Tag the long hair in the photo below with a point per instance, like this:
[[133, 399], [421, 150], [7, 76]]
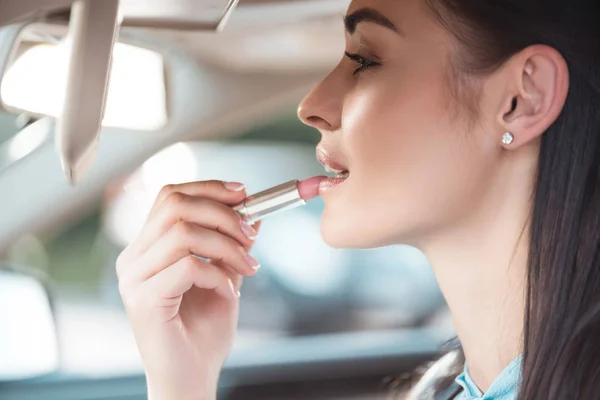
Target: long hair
[[561, 340]]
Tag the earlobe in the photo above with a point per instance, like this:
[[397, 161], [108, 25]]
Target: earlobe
[[540, 80]]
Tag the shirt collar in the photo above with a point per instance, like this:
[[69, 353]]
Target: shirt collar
[[504, 387]]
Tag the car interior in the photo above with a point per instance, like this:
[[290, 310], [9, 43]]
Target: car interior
[[105, 102]]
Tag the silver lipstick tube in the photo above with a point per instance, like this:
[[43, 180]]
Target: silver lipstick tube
[[269, 202]]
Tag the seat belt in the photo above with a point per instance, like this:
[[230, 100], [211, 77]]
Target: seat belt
[[450, 393]]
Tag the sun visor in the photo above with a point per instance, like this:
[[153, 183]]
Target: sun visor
[[168, 14], [197, 15], [177, 14]]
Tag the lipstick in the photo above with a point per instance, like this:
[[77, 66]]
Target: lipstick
[[279, 198]]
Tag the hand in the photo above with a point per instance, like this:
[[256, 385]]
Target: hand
[[184, 309]]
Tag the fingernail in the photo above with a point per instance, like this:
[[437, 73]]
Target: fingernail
[[249, 231], [234, 186], [236, 293], [255, 265]]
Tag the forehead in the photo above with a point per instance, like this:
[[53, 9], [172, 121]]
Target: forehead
[[392, 9], [408, 15], [421, 33]]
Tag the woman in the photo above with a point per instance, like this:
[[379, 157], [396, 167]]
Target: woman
[[479, 121]]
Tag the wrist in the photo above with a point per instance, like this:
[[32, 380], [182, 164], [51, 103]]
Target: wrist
[[176, 389], [197, 393]]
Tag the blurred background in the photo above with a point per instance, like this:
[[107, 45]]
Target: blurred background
[[316, 322]]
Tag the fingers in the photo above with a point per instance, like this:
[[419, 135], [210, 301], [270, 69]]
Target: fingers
[[256, 226], [186, 239], [201, 211], [236, 278], [230, 193], [227, 193], [174, 281], [187, 220]]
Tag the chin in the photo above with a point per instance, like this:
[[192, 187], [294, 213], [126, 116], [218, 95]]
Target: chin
[[339, 240], [349, 229], [341, 232], [335, 230]]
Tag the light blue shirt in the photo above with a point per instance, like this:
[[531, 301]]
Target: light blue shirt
[[505, 387]]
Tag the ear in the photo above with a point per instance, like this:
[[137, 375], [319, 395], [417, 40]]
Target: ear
[[538, 87]]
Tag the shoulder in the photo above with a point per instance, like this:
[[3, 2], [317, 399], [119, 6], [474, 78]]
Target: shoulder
[[446, 367]]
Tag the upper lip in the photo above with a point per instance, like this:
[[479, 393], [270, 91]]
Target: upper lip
[[327, 160]]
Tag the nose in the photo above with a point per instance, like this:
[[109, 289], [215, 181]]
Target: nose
[[322, 107]]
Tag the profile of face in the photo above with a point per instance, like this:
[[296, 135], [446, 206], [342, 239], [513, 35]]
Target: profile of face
[[418, 163]]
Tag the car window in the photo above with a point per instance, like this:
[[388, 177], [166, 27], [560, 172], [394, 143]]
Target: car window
[[8, 126], [304, 286]]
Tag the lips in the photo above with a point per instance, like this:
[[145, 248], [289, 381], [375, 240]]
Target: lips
[[331, 165], [329, 162]]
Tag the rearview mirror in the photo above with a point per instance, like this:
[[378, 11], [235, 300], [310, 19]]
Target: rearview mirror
[[28, 340]]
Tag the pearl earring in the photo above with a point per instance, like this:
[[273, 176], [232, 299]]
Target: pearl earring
[[507, 138]]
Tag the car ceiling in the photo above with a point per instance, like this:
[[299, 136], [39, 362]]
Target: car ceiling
[[270, 36], [273, 36]]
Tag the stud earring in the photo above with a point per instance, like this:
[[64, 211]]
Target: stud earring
[[507, 138]]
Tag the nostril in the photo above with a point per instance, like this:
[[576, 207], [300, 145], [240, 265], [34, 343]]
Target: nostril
[[317, 122]]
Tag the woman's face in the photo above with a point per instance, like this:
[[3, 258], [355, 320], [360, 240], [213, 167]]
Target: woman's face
[[416, 163]]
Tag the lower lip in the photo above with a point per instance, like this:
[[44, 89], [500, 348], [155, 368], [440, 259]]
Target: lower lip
[[330, 183]]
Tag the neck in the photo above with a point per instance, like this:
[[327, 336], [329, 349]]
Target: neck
[[486, 298], [481, 269]]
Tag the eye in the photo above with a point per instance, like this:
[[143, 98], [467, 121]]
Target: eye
[[363, 63]]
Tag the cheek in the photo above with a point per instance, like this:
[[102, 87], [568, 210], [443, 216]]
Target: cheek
[[399, 135], [411, 169]]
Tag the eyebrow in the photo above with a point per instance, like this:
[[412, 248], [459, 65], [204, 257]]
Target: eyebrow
[[367, 15]]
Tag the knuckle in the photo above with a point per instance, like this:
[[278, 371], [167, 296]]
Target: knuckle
[[224, 222], [132, 301], [234, 247], [120, 263], [124, 289], [229, 253], [212, 182], [166, 191], [203, 206], [188, 268], [183, 230], [212, 186], [232, 215], [175, 199]]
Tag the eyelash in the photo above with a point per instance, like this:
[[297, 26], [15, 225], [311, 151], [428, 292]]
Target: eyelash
[[363, 62]]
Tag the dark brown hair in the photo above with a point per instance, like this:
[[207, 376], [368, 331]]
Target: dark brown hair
[[561, 358]]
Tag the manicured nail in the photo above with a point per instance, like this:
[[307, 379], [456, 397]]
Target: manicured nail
[[234, 186], [249, 231], [236, 293], [255, 265]]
